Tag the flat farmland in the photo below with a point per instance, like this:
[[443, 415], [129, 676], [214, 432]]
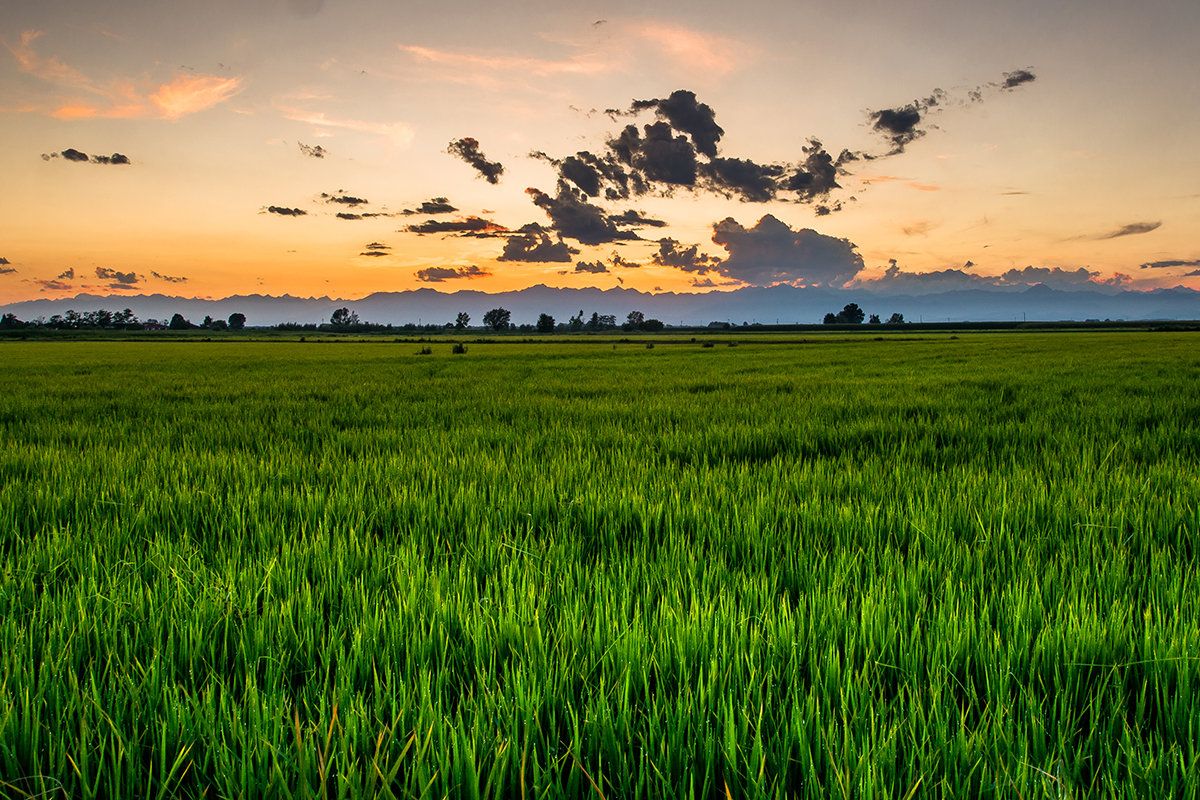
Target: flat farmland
[[904, 566]]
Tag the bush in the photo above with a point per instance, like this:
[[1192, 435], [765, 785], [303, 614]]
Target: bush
[[458, 349], [425, 351]]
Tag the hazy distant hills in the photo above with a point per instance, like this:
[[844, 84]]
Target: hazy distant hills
[[784, 304]]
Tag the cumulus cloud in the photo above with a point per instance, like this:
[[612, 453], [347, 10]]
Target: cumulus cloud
[[689, 259], [468, 150], [575, 218], [593, 267], [169, 278], [117, 278], [436, 205], [900, 125], [69, 275], [1017, 77], [532, 244], [5, 269], [313, 151], [53, 286], [71, 154], [682, 112], [469, 225], [1050, 276], [771, 252], [440, 274], [344, 215], [284, 211], [341, 197], [1169, 264]]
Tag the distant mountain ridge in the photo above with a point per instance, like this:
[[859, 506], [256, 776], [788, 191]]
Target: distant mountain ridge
[[783, 304]]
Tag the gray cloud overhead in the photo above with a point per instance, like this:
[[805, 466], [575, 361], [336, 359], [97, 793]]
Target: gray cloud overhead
[[118, 278], [591, 266], [467, 225], [436, 205], [169, 278], [313, 151], [284, 211], [533, 244], [71, 154], [1132, 229], [575, 218]]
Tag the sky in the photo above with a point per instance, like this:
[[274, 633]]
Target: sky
[[338, 148]]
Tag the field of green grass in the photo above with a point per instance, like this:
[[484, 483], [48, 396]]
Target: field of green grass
[[911, 567]]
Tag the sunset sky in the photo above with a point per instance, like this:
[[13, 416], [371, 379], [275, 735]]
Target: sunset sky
[[341, 148]]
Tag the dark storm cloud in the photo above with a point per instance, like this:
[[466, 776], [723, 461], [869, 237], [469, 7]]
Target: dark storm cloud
[[575, 218], [595, 175], [1133, 229], [1164, 264], [636, 219], [439, 274], [340, 196], [689, 259], [468, 225], [771, 252], [313, 151], [533, 244], [286, 212], [468, 150], [121, 278], [684, 114], [1017, 77], [660, 157], [169, 278], [589, 266], [437, 205]]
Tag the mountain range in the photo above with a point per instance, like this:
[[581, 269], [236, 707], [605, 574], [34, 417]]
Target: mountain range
[[777, 304]]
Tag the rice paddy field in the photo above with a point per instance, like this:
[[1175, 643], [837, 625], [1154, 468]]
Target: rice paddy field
[[921, 566]]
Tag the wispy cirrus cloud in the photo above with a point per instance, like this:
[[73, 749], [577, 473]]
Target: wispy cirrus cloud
[[400, 133], [119, 98]]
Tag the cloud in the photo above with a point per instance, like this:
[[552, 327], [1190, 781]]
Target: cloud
[[286, 212], [753, 183], [439, 274], [468, 150], [689, 259], [118, 278], [636, 219], [376, 250], [188, 94], [533, 244], [54, 286], [684, 114], [169, 278], [401, 134], [1169, 264], [900, 125], [469, 225], [1050, 276], [436, 205], [5, 269], [344, 215], [592, 267], [575, 218], [313, 151], [920, 228], [771, 252], [1132, 229], [340, 196], [1017, 77], [1191, 274], [817, 175], [69, 275], [71, 154]]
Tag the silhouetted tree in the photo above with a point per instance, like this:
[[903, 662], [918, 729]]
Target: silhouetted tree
[[237, 321], [652, 325], [635, 319], [545, 323], [343, 317], [9, 321], [208, 321], [178, 323], [896, 319], [830, 318], [874, 320], [462, 321], [851, 314], [497, 319]]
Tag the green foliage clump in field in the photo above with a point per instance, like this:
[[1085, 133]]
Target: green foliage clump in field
[[905, 568]]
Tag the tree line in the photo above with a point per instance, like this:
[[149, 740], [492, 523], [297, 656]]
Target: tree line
[[103, 319], [853, 315]]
